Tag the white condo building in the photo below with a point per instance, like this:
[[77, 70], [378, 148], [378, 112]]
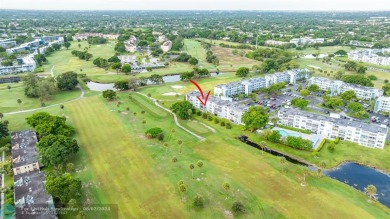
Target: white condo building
[[382, 104], [306, 40], [338, 87], [370, 56], [219, 107], [247, 86], [7, 43], [28, 65], [369, 135]]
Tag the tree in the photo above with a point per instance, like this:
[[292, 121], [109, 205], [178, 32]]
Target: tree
[[355, 107], [133, 83], [180, 143], [9, 88], [174, 159], [334, 103], [1, 116], [39, 59], [126, 68], [181, 109], [358, 79], [67, 45], [313, 88], [121, 85], [182, 188], [56, 149], [305, 92], [193, 61], [192, 169], [341, 53], [238, 208], [65, 187], [31, 83], [100, 62], [386, 89], [156, 79], [256, 117], [361, 69], [153, 132], [200, 164], [297, 102], [371, 192], [351, 66], [67, 81], [120, 47], [339, 75], [348, 95], [4, 132], [242, 72], [275, 137], [274, 120], [116, 65], [109, 94], [69, 167], [226, 186], [19, 101], [46, 88]]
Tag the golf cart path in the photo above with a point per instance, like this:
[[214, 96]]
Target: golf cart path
[[174, 117]]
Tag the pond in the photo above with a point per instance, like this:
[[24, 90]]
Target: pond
[[167, 79], [359, 176]]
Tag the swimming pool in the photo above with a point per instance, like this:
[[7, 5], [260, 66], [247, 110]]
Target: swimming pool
[[285, 134]]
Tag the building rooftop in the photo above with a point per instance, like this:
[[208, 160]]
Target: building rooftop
[[341, 122], [23, 148], [31, 199]]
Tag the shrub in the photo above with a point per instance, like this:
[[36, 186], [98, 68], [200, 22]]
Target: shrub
[[216, 120], [204, 116], [160, 137], [337, 140], [322, 143], [238, 208], [153, 132], [198, 113], [223, 123], [210, 118], [228, 125], [331, 146]]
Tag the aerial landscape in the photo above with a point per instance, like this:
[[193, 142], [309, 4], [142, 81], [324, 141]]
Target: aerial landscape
[[194, 109]]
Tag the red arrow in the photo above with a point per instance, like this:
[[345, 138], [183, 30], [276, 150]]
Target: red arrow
[[203, 100]]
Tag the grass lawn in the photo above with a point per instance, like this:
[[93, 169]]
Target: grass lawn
[[118, 165], [64, 61], [195, 49], [8, 100], [230, 62]]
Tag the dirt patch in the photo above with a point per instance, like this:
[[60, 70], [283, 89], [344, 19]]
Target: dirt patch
[[226, 57]]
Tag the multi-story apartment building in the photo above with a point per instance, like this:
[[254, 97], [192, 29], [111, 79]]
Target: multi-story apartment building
[[382, 104], [247, 86], [338, 87], [374, 56], [24, 154], [219, 107], [361, 43], [306, 40], [7, 43], [275, 43], [27, 64], [84, 36], [369, 135]]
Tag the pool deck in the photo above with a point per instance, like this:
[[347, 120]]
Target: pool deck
[[312, 137]]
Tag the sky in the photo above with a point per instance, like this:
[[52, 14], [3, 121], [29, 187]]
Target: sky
[[323, 5]]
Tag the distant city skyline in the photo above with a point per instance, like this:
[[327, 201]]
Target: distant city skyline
[[274, 5]]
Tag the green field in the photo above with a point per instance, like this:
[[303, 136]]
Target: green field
[[118, 165], [8, 100], [195, 49], [322, 50]]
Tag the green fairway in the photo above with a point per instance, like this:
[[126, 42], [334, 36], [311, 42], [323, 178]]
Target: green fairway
[[8, 100], [321, 50], [114, 144], [195, 49]]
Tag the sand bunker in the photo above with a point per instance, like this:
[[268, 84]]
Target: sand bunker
[[177, 87], [171, 94]]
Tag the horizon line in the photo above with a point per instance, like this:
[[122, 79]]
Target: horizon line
[[236, 10]]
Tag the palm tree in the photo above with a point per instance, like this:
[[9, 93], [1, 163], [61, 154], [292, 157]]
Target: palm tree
[[275, 120], [1, 116], [174, 159], [305, 171], [371, 192], [189, 111], [69, 167], [180, 142], [192, 169], [321, 169], [19, 101], [226, 186], [182, 188], [9, 88], [143, 112], [283, 162], [263, 145], [200, 164]]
